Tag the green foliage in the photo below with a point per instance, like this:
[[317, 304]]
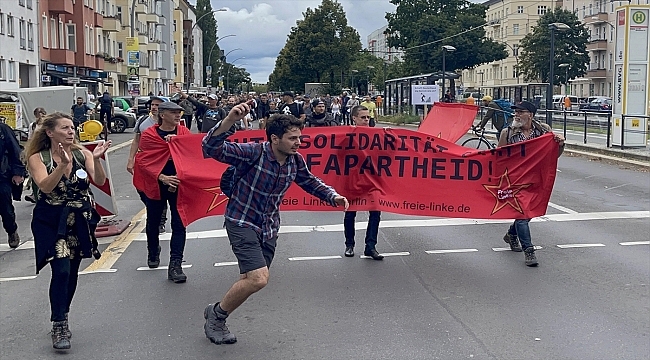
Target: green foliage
[[261, 88], [319, 49], [208, 25], [400, 119], [570, 48], [234, 77]]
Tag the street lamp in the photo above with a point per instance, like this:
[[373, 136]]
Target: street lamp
[[549, 92], [481, 73], [228, 73], [369, 67], [353, 85], [224, 57], [445, 48], [566, 77], [210, 55]]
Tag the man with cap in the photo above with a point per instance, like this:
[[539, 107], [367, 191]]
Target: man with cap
[[524, 127], [319, 115], [155, 175], [494, 113], [210, 114], [289, 107], [372, 109], [141, 125]]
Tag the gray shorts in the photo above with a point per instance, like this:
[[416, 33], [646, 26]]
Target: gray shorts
[[251, 252]]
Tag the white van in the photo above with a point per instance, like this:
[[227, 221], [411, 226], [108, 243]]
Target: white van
[[558, 102]]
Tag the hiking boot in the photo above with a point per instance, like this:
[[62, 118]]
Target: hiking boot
[[513, 241], [14, 240], [66, 326], [153, 260], [175, 272], [60, 340], [531, 259], [215, 327], [161, 229]]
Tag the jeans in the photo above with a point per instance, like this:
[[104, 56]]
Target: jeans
[[155, 210], [371, 231], [62, 286], [7, 212], [521, 229], [108, 114], [163, 217], [347, 120]]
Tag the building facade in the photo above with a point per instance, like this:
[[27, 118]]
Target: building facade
[[378, 46], [19, 22], [178, 53], [192, 47]]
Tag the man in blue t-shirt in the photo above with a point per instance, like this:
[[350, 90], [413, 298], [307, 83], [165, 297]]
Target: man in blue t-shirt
[[79, 111]]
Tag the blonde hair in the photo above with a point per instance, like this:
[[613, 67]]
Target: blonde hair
[[40, 141]]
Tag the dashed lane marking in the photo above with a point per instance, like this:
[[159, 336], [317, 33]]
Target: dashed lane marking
[[562, 208], [146, 268], [631, 243], [17, 278], [226, 263], [508, 248], [304, 258], [450, 251], [119, 146], [570, 246], [403, 253], [99, 271]]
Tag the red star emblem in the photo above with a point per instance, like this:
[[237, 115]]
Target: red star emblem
[[218, 199], [505, 193]]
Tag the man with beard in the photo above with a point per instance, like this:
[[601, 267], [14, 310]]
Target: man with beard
[[289, 107], [211, 114], [263, 108], [523, 128], [319, 117]]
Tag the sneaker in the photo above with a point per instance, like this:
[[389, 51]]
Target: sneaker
[[60, 340], [513, 241], [215, 327], [153, 260], [14, 240], [531, 259], [175, 272]]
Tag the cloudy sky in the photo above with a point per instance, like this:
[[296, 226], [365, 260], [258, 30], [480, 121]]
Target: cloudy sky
[[262, 27]]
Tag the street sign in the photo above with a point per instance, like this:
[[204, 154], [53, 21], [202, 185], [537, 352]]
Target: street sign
[[133, 71], [46, 78], [73, 80], [133, 58], [425, 94]]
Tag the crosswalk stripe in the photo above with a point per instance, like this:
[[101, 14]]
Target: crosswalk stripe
[[304, 258], [227, 263], [569, 246], [450, 251], [629, 243], [508, 248], [146, 268]]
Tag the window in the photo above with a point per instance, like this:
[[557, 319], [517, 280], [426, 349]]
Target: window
[[591, 9], [541, 9], [514, 72], [46, 26], [21, 3], [22, 32], [118, 13], [72, 38], [520, 10], [53, 32], [30, 4], [176, 46], [91, 38], [175, 27], [30, 36], [10, 25], [3, 69], [12, 71], [515, 29], [120, 50], [515, 50], [2, 23], [61, 35], [86, 41], [176, 70]]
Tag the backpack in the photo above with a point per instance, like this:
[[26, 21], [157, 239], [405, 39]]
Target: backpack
[[507, 112], [229, 177]]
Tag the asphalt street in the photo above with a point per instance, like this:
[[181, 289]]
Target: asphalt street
[[448, 288]]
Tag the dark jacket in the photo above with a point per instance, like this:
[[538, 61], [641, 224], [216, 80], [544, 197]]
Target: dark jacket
[[263, 109], [10, 164], [106, 102], [206, 116], [324, 119]]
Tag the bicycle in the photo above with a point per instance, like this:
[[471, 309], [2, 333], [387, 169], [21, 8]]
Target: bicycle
[[479, 142]]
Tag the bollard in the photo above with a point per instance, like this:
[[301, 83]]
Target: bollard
[[609, 129], [622, 131], [585, 134], [565, 123]]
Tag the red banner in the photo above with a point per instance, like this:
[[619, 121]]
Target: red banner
[[393, 170], [449, 121]]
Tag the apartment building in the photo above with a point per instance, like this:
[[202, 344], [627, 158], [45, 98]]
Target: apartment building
[[378, 46], [179, 54], [507, 22], [192, 47], [19, 23]]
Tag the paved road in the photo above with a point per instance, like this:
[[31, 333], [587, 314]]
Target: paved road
[[587, 300]]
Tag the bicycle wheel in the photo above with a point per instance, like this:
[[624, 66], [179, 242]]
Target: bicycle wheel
[[477, 143]]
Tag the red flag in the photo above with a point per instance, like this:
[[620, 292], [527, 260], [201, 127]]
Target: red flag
[[394, 170], [449, 121]]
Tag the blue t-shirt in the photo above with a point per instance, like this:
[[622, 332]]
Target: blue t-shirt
[[79, 112]]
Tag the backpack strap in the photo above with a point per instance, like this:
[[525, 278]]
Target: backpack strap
[[79, 157], [46, 158]]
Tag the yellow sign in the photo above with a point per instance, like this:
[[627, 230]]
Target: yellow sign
[[618, 122], [132, 44], [635, 123], [8, 112], [638, 17]]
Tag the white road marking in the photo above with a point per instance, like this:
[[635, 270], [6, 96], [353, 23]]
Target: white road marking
[[433, 222], [98, 271], [146, 268], [227, 263], [403, 253], [304, 258], [23, 246], [508, 248], [630, 243], [569, 246], [18, 278], [616, 187], [119, 146], [562, 208], [449, 251]]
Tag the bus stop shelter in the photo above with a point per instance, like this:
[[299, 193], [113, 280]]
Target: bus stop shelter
[[398, 91]]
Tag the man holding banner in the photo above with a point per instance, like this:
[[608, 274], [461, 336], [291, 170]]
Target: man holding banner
[[263, 174], [524, 128]]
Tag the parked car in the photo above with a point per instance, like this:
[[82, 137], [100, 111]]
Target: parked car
[[121, 120], [601, 104], [558, 102]]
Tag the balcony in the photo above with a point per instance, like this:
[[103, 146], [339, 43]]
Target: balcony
[[112, 24], [163, 73], [152, 18], [143, 40], [153, 46], [596, 72], [597, 45], [164, 47], [144, 71], [596, 18], [99, 62], [117, 67], [154, 74], [495, 22], [162, 21], [99, 20], [141, 8], [61, 7], [62, 56]]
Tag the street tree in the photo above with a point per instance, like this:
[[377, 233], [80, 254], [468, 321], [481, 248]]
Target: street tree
[[234, 76], [318, 49], [570, 48], [422, 27], [208, 25]]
